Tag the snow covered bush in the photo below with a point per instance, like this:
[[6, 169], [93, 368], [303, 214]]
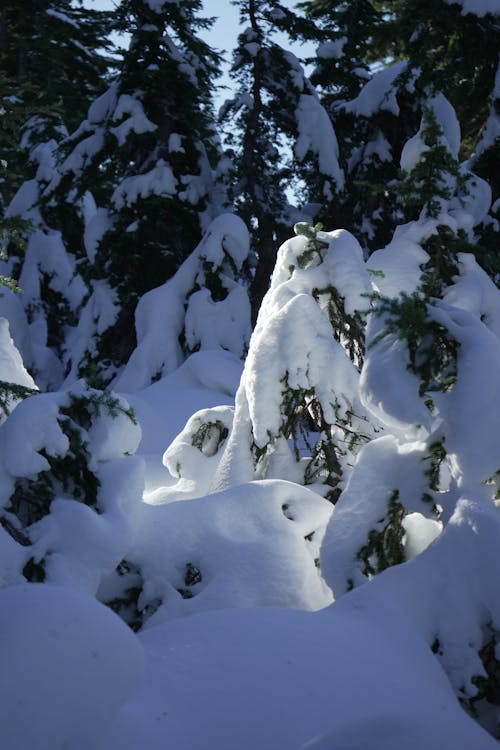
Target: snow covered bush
[[252, 545], [298, 413], [65, 508]]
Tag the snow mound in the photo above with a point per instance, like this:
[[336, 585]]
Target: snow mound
[[68, 663]]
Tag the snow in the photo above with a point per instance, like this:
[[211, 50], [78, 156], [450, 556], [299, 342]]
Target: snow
[[101, 108], [254, 635], [472, 443], [378, 93], [12, 368], [248, 543], [205, 379], [96, 226], [11, 308], [301, 367], [252, 48], [98, 314], [31, 427], [379, 147], [316, 134], [61, 16], [157, 5], [398, 266], [388, 389], [79, 660], [135, 119], [474, 291], [82, 154], [46, 254], [492, 127], [272, 673], [159, 180], [25, 199], [383, 466], [332, 50], [174, 308], [206, 529], [447, 121]]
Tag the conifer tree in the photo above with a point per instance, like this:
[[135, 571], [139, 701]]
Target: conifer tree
[[384, 61], [54, 55], [455, 47], [274, 109], [372, 110], [13, 229], [132, 189], [297, 412]]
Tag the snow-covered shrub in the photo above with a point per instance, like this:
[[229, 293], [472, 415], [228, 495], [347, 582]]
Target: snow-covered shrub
[[431, 362], [195, 453], [298, 414], [64, 502], [449, 595], [252, 545]]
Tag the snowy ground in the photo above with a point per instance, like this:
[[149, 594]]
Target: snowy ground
[[355, 675]]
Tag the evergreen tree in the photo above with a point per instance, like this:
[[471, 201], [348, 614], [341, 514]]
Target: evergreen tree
[[54, 55], [274, 110], [13, 229], [373, 111], [298, 413], [455, 48], [383, 63], [132, 189]]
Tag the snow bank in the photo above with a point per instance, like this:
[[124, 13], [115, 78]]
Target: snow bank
[[352, 676], [68, 664], [253, 545]]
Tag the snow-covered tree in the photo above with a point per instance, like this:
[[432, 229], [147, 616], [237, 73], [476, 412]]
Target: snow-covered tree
[[54, 54], [376, 72], [431, 364], [297, 410], [61, 480], [275, 108], [203, 307], [371, 108], [453, 46], [128, 194]]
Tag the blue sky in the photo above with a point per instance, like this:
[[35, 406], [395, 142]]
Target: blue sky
[[225, 29], [223, 34]]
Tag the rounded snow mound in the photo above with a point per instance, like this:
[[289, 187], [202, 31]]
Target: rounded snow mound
[[68, 663]]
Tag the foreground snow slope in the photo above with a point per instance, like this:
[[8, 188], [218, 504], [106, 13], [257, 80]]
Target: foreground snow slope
[[358, 675]]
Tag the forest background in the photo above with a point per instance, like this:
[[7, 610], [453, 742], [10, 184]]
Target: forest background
[[249, 352]]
